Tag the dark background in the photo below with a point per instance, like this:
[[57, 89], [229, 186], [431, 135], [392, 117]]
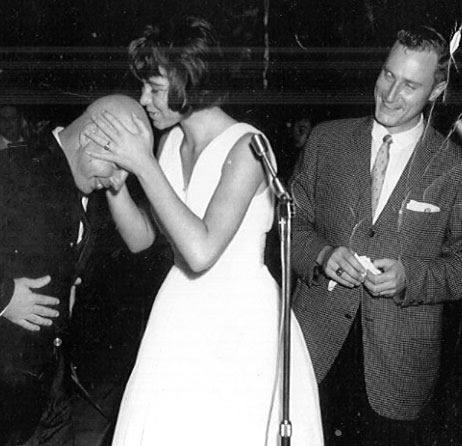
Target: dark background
[[323, 55], [315, 58]]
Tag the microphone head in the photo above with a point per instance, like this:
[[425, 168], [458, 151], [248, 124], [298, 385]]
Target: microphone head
[[458, 127], [259, 145]]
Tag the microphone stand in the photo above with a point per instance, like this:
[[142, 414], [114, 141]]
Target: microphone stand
[[285, 213]]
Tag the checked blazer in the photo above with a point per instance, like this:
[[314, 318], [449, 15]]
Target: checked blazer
[[331, 187]]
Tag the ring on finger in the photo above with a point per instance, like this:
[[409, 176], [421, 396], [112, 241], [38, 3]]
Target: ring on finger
[[107, 145], [339, 271]]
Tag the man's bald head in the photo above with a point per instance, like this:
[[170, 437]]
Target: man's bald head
[[122, 107], [90, 174]]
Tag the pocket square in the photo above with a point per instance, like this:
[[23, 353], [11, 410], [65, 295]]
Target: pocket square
[[419, 206]]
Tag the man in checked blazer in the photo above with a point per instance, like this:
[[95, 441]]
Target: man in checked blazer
[[375, 339], [44, 241]]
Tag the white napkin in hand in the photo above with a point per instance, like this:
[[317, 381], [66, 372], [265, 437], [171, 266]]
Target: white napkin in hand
[[366, 263]]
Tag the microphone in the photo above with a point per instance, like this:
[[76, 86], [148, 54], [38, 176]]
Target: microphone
[[259, 147], [458, 127]]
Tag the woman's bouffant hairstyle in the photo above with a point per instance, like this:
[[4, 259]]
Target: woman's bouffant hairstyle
[[190, 55]]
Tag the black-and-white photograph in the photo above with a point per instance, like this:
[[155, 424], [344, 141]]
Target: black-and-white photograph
[[230, 223]]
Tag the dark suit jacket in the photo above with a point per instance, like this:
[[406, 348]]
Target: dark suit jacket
[[39, 220], [401, 336]]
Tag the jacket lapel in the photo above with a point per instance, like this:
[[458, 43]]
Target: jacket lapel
[[362, 140], [424, 153]]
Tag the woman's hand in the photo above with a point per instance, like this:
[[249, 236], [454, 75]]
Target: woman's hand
[[129, 145]]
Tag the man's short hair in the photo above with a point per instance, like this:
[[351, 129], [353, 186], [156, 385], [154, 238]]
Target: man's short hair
[[189, 53], [424, 38]]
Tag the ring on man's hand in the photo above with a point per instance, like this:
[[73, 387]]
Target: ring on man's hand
[[106, 146], [339, 271]]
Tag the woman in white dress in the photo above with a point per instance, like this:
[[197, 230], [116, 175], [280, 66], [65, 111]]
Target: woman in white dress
[[208, 365]]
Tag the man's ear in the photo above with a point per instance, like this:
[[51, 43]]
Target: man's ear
[[83, 138], [437, 90]]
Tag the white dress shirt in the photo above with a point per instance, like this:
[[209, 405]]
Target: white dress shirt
[[401, 150]]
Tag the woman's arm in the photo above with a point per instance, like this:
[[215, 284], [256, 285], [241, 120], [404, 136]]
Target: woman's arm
[[202, 241], [199, 241], [134, 225]]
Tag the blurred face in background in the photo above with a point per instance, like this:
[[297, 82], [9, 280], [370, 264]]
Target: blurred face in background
[[301, 129], [10, 123]]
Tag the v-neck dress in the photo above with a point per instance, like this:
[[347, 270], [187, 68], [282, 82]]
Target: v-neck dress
[[208, 362]]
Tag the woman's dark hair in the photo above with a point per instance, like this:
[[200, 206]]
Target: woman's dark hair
[[190, 55]]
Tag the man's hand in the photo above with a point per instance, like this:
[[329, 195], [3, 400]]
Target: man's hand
[[391, 282], [28, 309], [341, 265]]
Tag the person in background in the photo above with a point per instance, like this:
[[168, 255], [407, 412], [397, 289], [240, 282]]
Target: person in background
[[45, 240], [377, 249], [11, 126], [298, 131]]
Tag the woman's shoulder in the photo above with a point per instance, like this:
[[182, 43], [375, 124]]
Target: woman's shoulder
[[239, 132], [220, 124], [244, 127]]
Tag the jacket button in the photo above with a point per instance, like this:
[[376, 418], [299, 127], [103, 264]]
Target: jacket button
[[348, 316], [57, 342], [371, 232]]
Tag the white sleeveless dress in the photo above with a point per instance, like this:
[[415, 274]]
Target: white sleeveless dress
[[207, 364]]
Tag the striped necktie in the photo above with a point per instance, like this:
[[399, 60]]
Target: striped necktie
[[378, 171]]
